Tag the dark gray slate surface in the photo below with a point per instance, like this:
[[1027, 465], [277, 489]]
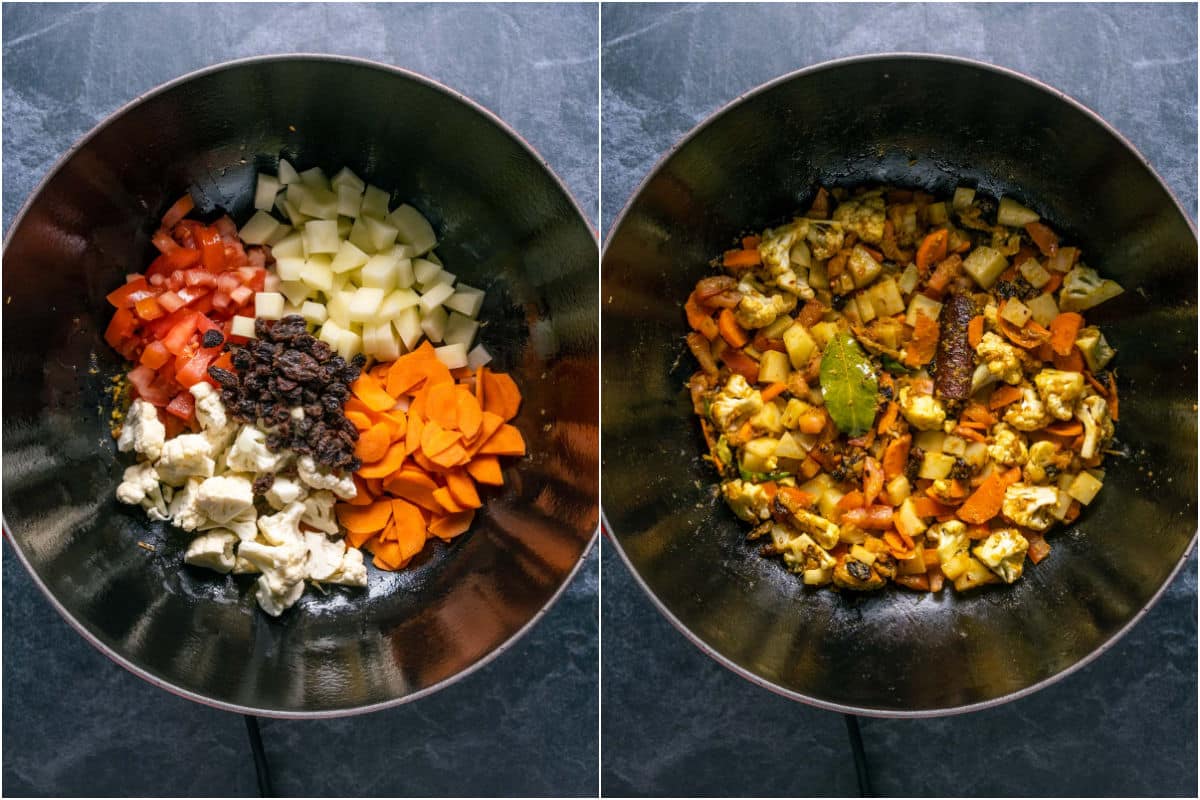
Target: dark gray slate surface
[[676, 723], [75, 723]]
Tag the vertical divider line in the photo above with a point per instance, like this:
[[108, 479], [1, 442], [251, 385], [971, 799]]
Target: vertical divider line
[[861, 773], [262, 770]]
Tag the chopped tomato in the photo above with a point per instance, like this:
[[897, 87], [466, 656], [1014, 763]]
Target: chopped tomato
[[182, 405], [192, 369], [171, 302], [133, 291], [120, 327], [190, 294], [241, 295], [224, 361], [148, 308], [178, 210], [178, 337], [155, 355], [212, 250], [180, 258], [163, 241], [199, 277], [149, 387]]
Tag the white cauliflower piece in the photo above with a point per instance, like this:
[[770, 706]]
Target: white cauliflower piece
[[210, 411], [825, 533], [1083, 288], [1092, 411], [775, 251], [951, 538], [140, 487], [1030, 506], [757, 310], [352, 572], [250, 453], [318, 512], [1059, 390], [324, 555], [1028, 413], [213, 550], [748, 500], [184, 457], [284, 491], [283, 528], [803, 553], [245, 524], [1008, 446], [283, 572], [864, 215], [242, 566], [1003, 553], [141, 430], [1041, 456], [224, 497], [184, 512], [318, 478], [1000, 357], [923, 411], [1095, 348], [736, 402]]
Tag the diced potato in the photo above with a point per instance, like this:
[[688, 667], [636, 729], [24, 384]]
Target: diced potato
[[379, 272], [460, 329], [435, 297], [289, 268], [321, 236], [800, 345], [775, 329], [788, 447], [313, 313], [452, 355], [408, 326], [862, 266], [296, 292], [364, 306], [975, 454], [908, 279], [348, 258], [1084, 488], [920, 304], [885, 295], [929, 441], [343, 282], [381, 234], [349, 201], [293, 214], [268, 305], [773, 368], [862, 307], [1016, 312], [860, 553], [265, 190], [258, 228], [1063, 260], [818, 577], [349, 345], [1014, 214], [963, 197], [396, 301], [1034, 273], [243, 326], [345, 177], [443, 276], [317, 273], [433, 324], [800, 256], [957, 564], [386, 344], [792, 413], [287, 173], [413, 229], [985, 264], [424, 270], [290, 246], [319, 203], [954, 446], [360, 236], [466, 300], [478, 357], [937, 214], [758, 455], [936, 466], [898, 490], [975, 574], [914, 565], [375, 203], [822, 332], [315, 178], [281, 233], [402, 250], [331, 333], [818, 277], [338, 309], [404, 270], [1043, 309]]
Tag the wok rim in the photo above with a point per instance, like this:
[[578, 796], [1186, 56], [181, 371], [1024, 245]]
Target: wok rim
[[610, 534], [57, 167]]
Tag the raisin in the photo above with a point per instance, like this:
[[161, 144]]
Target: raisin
[[225, 378], [264, 482], [212, 338]]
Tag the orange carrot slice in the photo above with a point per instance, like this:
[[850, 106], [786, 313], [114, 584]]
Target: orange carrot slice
[[446, 500], [462, 488], [470, 415], [501, 395], [360, 420], [368, 390], [453, 456], [486, 469], [392, 461], [435, 439], [364, 518], [451, 525], [441, 405], [373, 443], [1063, 330], [507, 441]]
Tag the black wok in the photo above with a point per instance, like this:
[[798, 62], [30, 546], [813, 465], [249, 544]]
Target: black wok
[[921, 122], [506, 225]]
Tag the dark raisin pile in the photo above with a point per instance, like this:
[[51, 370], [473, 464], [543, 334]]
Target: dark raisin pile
[[286, 367]]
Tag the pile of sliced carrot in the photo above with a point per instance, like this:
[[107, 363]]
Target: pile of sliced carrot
[[427, 436]]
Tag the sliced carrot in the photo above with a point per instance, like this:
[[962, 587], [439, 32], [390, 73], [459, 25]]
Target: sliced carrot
[[979, 414], [1067, 428], [446, 500], [435, 438], [851, 499], [969, 433], [451, 525], [388, 555], [731, 331], [925, 506], [357, 539], [1003, 396], [700, 318], [891, 412], [798, 496], [362, 496], [453, 456], [470, 415], [1113, 405], [921, 350], [501, 395], [412, 437], [364, 518], [392, 460], [360, 420], [751, 242], [507, 441], [441, 405], [1043, 237], [486, 469], [773, 391], [489, 424], [1072, 362], [741, 259], [895, 456], [985, 502], [409, 370], [932, 250], [409, 527], [415, 486], [1056, 279], [811, 313], [975, 331], [462, 488], [368, 390], [1063, 330], [373, 443]]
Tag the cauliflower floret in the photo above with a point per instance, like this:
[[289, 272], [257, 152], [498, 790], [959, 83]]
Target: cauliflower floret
[[951, 538], [1083, 288], [1003, 553], [748, 500], [1030, 506], [864, 215], [282, 567], [318, 478], [352, 572], [140, 486], [1028, 413], [210, 411], [825, 533], [141, 431], [734, 404], [1092, 411], [250, 453], [224, 497], [184, 512], [1059, 390], [213, 550], [1042, 455], [775, 251], [1095, 348], [324, 555], [245, 524], [802, 553], [242, 566], [1000, 357], [284, 491], [1008, 446], [283, 528], [318, 512], [758, 310], [184, 457], [923, 411]]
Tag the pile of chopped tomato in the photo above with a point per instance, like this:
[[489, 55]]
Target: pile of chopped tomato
[[201, 279]]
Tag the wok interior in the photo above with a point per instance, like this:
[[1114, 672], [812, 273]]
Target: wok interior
[[929, 124], [506, 226]]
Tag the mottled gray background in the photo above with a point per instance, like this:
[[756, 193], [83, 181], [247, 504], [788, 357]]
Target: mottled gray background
[[74, 722], [676, 723]]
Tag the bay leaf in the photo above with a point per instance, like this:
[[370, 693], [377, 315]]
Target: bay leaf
[[848, 385]]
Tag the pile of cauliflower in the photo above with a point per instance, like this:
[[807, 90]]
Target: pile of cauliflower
[[203, 482]]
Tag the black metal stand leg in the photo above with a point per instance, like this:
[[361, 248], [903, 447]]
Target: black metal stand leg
[[261, 770], [860, 756]]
